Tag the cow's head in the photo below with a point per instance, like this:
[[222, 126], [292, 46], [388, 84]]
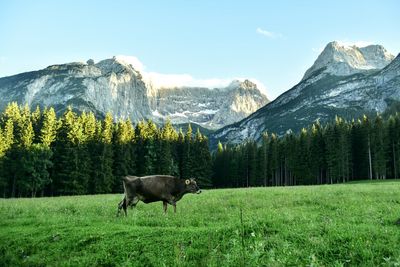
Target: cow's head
[[192, 186]]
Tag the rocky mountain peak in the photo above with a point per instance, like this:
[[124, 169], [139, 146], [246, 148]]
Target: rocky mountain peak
[[111, 65], [246, 84], [341, 60]]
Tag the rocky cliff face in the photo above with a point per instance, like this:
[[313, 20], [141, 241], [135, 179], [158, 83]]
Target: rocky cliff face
[[321, 95], [114, 85], [106, 86]]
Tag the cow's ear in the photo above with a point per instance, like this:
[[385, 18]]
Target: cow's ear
[[187, 182]]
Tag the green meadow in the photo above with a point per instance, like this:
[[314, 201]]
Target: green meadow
[[355, 224]]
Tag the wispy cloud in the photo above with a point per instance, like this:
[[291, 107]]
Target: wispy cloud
[[269, 34]]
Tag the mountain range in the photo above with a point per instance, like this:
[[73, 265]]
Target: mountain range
[[347, 81], [344, 81], [114, 85]]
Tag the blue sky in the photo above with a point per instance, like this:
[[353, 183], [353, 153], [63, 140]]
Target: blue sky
[[271, 41]]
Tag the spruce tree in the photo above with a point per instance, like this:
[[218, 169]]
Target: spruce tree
[[263, 159], [202, 158], [165, 162], [379, 142], [48, 130], [187, 157], [394, 145], [102, 160], [72, 162], [124, 160]]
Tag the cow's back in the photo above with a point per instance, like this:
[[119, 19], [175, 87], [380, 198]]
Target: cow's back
[[158, 183]]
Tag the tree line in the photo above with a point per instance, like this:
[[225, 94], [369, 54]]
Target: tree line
[[45, 155], [42, 155], [337, 152]]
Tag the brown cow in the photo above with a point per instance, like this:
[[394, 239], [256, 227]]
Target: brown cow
[[168, 189]]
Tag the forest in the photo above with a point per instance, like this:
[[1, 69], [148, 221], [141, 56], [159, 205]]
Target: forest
[[74, 154]]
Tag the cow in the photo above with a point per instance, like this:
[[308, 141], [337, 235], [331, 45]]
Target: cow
[[165, 188]]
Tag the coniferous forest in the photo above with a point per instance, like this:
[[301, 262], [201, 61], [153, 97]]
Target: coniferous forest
[[45, 155]]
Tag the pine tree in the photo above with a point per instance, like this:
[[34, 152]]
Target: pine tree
[[146, 134], [105, 178], [202, 158], [317, 153], [37, 120], [71, 170], [165, 162], [251, 159], [21, 164], [263, 159], [187, 157], [36, 162], [394, 145], [289, 143], [218, 175], [179, 149], [331, 154], [344, 149], [25, 128], [3, 149], [367, 132], [379, 148], [359, 139], [124, 161], [140, 151], [48, 130], [273, 157]]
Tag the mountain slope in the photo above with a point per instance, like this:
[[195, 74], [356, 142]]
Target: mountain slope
[[319, 96], [113, 85]]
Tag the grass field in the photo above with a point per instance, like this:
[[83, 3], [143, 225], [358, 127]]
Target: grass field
[[331, 225]]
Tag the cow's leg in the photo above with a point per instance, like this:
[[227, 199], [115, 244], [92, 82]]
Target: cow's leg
[[135, 200], [124, 205], [130, 202], [173, 203], [120, 206], [165, 206]]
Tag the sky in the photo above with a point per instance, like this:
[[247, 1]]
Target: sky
[[207, 42]]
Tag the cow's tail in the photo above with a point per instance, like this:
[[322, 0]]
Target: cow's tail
[[125, 179], [123, 204]]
